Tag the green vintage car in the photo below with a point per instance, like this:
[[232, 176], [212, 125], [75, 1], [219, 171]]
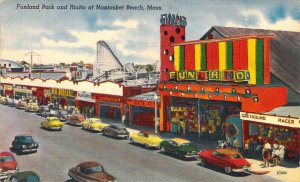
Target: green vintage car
[[180, 147]]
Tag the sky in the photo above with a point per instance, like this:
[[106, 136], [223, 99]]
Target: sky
[[70, 35]]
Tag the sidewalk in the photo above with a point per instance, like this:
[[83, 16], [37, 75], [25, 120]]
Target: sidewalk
[[286, 171]]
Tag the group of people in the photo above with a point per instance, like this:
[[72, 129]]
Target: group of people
[[273, 153]]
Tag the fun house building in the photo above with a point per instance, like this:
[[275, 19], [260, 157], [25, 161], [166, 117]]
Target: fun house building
[[220, 88]]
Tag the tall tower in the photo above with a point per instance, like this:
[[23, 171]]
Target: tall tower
[[172, 30]]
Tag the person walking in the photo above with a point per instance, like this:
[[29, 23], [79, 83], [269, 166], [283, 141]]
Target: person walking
[[235, 144]]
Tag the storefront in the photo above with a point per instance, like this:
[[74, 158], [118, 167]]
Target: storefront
[[259, 129], [8, 90], [110, 106], [63, 98], [142, 109], [22, 92], [198, 117], [85, 103], [204, 83]]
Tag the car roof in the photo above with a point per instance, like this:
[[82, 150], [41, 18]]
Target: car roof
[[227, 151], [89, 164], [24, 174], [6, 154], [52, 118], [180, 141]]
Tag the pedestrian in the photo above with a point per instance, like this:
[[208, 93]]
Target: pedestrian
[[235, 144], [275, 155], [281, 152], [266, 154]]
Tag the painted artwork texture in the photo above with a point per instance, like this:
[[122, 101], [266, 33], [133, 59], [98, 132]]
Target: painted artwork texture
[[139, 91]]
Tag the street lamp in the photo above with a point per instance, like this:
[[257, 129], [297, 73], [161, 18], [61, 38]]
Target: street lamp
[[155, 113]]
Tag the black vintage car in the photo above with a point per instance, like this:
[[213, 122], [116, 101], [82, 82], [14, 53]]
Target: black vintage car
[[62, 115], [25, 176], [115, 131], [24, 143], [43, 111]]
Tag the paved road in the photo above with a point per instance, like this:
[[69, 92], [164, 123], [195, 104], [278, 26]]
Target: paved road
[[61, 150]]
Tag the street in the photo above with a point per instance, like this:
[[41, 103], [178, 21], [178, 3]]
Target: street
[[60, 150]]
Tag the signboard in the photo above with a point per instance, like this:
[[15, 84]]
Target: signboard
[[276, 120], [172, 19], [85, 96], [212, 75], [21, 90], [111, 104], [142, 103], [63, 92], [109, 99], [7, 87], [47, 92]]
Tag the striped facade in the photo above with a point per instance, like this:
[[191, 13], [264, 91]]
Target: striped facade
[[250, 54]]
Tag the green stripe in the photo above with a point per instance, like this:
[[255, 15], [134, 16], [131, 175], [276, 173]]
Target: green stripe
[[203, 57], [181, 62], [259, 61], [229, 56]]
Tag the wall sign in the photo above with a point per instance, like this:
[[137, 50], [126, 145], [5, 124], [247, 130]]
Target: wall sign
[[212, 75], [142, 103], [111, 104], [63, 92], [109, 99], [172, 19], [85, 96], [7, 87], [277, 120]]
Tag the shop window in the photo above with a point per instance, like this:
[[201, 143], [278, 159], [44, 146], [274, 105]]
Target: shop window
[[253, 129], [165, 32], [232, 130], [171, 58]]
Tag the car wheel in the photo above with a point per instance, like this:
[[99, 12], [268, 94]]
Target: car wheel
[[202, 161], [227, 169], [162, 149], [147, 145], [131, 140]]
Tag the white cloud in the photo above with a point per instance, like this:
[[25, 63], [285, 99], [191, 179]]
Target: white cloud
[[130, 24], [287, 24]]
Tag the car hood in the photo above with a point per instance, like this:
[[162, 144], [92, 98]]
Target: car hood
[[8, 165], [103, 176], [189, 148]]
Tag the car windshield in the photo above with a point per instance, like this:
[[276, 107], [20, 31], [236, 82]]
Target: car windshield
[[6, 158], [185, 144], [55, 120], [26, 139], [152, 135], [92, 170], [236, 156], [28, 178], [96, 121]]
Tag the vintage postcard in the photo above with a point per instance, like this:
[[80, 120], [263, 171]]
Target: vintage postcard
[[149, 90]]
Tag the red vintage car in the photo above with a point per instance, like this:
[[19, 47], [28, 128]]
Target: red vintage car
[[90, 172], [228, 159], [8, 165]]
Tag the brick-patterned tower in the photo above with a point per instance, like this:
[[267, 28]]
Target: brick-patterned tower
[[172, 30]]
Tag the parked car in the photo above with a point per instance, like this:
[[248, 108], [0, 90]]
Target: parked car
[[115, 131], [11, 102], [52, 123], [43, 111], [8, 165], [228, 159], [76, 119], [93, 124], [62, 115], [147, 138], [3, 100], [24, 143], [31, 106], [90, 172], [180, 147], [21, 104], [25, 176]]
